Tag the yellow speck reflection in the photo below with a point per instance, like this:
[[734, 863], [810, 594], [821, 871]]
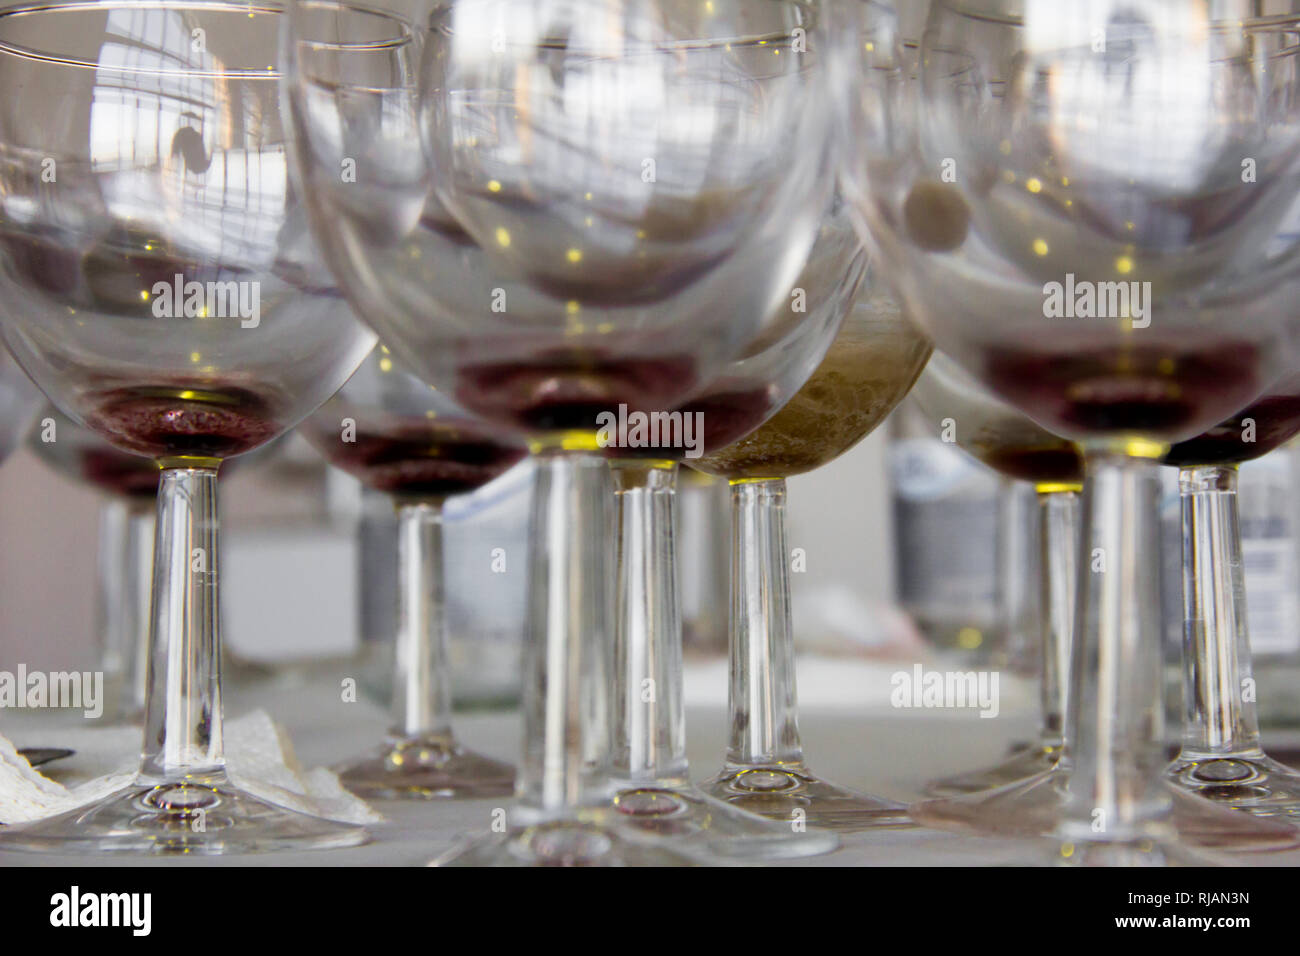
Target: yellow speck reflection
[[1040, 247], [969, 638], [503, 237]]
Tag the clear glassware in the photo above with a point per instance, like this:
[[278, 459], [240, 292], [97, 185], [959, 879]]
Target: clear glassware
[[960, 410], [1221, 758], [1065, 207], [552, 211], [649, 743], [869, 368], [161, 287], [1026, 794], [399, 436]]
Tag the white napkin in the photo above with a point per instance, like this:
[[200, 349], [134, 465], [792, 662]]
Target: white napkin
[[259, 759]]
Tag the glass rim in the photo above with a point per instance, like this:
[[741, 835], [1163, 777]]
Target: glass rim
[[1272, 21], [248, 9], [404, 29]]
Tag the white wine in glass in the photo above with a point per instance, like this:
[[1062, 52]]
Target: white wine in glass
[[869, 368]]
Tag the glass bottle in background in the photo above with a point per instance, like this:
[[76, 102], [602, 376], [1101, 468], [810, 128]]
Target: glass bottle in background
[[19, 400], [124, 560], [1019, 571], [485, 612], [1270, 542], [941, 495], [376, 537], [704, 560]]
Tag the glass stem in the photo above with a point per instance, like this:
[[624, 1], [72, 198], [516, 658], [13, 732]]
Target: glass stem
[[1059, 543], [570, 613], [1115, 706], [761, 700], [422, 684], [1220, 707], [649, 717], [182, 736]]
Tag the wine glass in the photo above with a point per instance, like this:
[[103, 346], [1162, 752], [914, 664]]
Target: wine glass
[[649, 748], [552, 211], [1221, 757], [960, 410], [1080, 206], [1025, 794], [872, 363], [124, 562], [161, 287], [399, 436]]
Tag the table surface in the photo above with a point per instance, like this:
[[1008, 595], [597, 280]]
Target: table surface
[[867, 746]]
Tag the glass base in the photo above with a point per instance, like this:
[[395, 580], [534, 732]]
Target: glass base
[[426, 768], [592, 839], [699, 823], [195, 817], [1028, 761], [1256, 783], [791, 793], [1035, 808]]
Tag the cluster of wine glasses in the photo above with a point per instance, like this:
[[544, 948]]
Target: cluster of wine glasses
[[440, 237], [1090, 209]]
